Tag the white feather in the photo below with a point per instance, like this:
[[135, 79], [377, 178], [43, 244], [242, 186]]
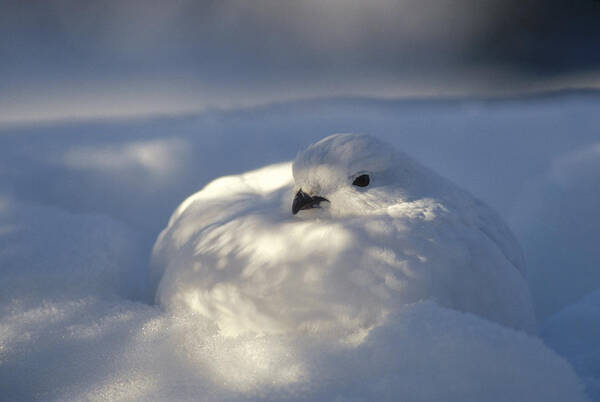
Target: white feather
[[234, 252]]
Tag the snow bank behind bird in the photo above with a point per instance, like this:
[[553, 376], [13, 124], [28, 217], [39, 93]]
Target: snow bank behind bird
[[235, 253]]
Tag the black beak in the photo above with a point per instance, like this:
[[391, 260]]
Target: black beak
[[305, 201]]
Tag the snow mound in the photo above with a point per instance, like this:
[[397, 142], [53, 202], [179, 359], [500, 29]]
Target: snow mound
[[46, 251], [103, 349], [574, 333], [557, 221], [235, 253]]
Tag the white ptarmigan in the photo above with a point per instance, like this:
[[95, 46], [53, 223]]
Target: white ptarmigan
[[335, 243]]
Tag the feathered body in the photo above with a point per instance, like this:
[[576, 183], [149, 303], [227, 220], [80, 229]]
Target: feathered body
[[235, 253]]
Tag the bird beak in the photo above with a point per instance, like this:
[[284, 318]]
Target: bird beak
[[305, 201]]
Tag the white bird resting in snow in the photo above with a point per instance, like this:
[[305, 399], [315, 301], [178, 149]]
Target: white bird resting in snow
[[336, 243]]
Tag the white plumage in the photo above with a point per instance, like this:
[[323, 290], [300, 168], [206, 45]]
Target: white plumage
[[235, 253]]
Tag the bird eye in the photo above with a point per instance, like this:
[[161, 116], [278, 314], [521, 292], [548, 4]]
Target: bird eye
[[361, 181]]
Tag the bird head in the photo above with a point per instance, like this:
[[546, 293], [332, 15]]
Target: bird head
[[348, 174]]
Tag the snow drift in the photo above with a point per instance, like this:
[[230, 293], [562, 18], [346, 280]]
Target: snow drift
[[89, 198]]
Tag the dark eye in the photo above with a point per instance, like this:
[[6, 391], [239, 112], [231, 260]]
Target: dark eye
[[361, 181]]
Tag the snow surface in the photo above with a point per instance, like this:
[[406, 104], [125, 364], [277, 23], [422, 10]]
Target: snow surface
[[559, 211], [574, 332], [81, 205]]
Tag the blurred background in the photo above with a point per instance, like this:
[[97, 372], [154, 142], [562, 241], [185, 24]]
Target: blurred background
[[64, 59]]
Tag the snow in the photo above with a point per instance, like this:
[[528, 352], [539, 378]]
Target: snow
[[106, 349], [82, 203], [574, 332], [562, 203], [46, 250]]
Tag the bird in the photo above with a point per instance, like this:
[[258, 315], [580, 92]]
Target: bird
[[334, 244]]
